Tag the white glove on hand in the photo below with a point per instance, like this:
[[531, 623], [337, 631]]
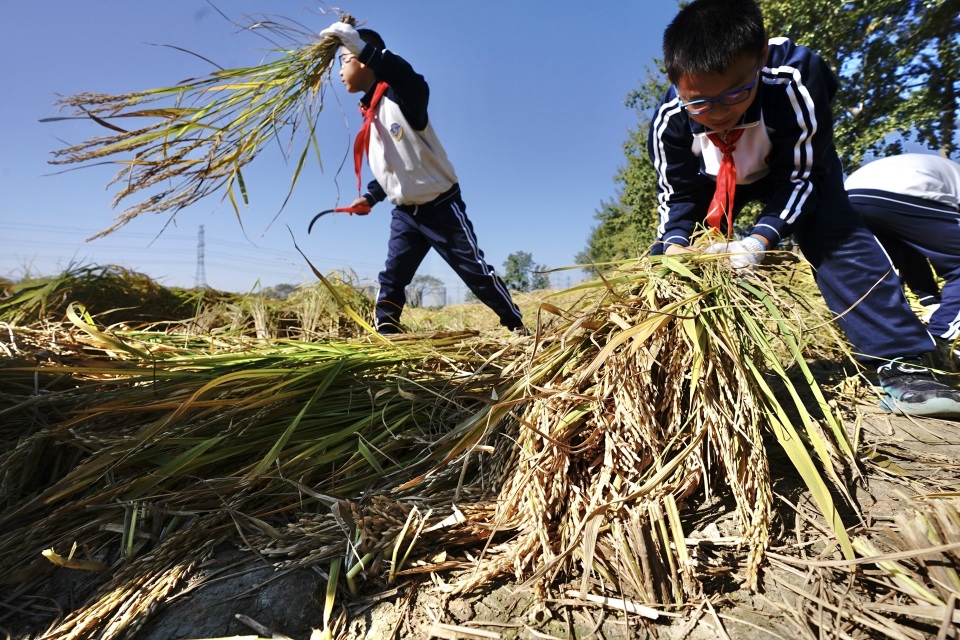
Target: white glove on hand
[[347, 35], [744, 254]]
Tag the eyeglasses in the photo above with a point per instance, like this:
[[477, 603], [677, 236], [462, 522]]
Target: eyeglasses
[[697, 107], [346, 57]]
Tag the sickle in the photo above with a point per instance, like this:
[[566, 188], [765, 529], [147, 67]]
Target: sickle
[[361, 209]]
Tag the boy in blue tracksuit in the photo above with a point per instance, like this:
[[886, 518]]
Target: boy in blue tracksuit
[[748, 118], [412, 171]]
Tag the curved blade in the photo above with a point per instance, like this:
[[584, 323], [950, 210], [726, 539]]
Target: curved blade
[[317, 217], [360, 209]]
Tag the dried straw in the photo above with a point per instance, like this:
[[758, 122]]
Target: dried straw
[[576, 457], [201, 133]]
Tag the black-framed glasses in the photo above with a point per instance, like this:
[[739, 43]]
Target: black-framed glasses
[[345, 58], [697, 107]]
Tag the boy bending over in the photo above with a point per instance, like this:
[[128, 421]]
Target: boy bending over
[[748, 118]]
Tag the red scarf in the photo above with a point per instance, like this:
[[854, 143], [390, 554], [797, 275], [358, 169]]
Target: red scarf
[[362, 143], [722, 204]]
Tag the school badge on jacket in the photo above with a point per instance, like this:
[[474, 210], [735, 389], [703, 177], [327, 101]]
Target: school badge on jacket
[[396, 131]]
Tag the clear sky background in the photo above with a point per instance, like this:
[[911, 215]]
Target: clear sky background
[[527, 97]]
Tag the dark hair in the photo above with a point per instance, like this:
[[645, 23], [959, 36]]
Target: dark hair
[[708, 36], [372, 37]]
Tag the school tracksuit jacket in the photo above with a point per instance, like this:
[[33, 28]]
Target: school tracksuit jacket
[[787, 160], [412, 171], [912, 204]]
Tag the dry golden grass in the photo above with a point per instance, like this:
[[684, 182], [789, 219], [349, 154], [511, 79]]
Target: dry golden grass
[[574, 459]]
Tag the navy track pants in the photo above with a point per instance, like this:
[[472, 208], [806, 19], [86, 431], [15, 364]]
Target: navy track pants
[[918, 233], [441, 225]]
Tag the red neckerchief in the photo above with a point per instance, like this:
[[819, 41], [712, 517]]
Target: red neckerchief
[[722, 204], [362, 142]]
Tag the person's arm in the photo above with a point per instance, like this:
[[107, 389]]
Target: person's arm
[[374, 194], [797, 90], [409, 87], [410, 90], [683, 195]]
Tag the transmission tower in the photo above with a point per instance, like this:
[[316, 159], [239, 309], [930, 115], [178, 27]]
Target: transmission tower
[[200, 281]]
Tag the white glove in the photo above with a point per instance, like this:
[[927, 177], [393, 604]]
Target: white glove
[[347, 35], [744, 254]]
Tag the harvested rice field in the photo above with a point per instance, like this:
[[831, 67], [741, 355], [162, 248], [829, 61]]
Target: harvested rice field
[[676, 452]]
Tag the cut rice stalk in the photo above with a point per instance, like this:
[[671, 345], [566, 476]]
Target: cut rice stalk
[[204, 131]]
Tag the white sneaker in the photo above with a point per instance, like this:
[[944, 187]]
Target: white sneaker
[[911, 389]]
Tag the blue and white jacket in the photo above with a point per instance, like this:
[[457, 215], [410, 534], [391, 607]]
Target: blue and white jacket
[[405, 154], [788, 135]]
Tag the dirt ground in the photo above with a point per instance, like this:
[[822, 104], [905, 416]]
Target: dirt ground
[[237, 595]]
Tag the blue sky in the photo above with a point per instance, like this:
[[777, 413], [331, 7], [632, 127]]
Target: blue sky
[[527, 97]]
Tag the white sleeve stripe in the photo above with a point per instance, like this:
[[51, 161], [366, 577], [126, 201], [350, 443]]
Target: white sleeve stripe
[[666, 111], [767, 226], [804, 110]]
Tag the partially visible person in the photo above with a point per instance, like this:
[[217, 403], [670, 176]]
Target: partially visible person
[[412, 171], [911, 202], [749, 119]]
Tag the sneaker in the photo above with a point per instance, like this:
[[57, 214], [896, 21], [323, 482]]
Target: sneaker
[[520, 331], [910, 389]]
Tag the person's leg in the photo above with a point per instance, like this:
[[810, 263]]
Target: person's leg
[[405, 251], [856, 278], [450, 232], [917, 273], [945, 321], [858, 284], [927, 228], [914, 232], [914, 268]]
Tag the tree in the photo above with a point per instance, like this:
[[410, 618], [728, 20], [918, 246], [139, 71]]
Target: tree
[[420, 287], [280, 291], [521, 274], [899, 67], [627, 225]]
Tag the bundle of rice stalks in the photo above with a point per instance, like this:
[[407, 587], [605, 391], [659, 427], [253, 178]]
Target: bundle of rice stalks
[[607, 432], [654, 400], [137, 303], [312, 312], [204, 131], [663, 395], [171, 447]]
